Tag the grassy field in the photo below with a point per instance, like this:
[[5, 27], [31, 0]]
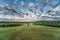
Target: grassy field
[[33, 32]]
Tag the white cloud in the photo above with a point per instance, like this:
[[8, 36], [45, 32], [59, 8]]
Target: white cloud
[[31, 4], [2, 6], [56, 16], [57, 8], [15, 1], [22, 3]]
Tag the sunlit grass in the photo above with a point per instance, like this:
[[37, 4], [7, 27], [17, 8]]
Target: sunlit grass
[[32, 32]]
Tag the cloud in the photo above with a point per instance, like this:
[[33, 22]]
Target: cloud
[[57, 8], [46, 0], [2, 6], [31, 4], [22, 3], [56, 16], [15, 2], [6, 4], [45, 14]]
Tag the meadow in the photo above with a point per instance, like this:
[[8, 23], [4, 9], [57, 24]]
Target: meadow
[[36, 31]]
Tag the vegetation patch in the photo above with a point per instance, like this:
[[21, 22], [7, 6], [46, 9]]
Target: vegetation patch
[[10, 24], [48, 23], [33, 34]]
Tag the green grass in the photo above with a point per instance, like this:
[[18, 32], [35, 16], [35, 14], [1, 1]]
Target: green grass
[[33, 32]]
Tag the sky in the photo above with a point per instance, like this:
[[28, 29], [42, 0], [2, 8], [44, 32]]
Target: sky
[[24, 5], [27, 2]]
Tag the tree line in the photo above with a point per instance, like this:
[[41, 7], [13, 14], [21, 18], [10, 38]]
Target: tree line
[[48, 23]]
